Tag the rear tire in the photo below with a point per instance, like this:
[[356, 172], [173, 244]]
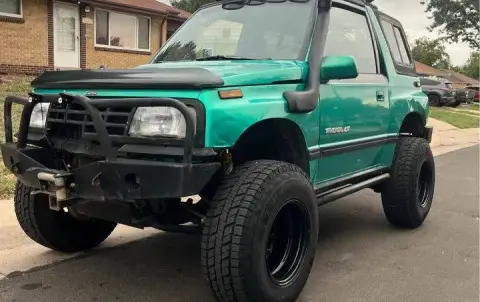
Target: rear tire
[[264, 212], [407, 197], [58, 231]]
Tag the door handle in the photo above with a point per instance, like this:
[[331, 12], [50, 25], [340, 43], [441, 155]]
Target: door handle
[[380, 95]]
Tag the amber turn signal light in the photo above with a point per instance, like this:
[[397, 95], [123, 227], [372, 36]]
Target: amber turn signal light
[[230, 94]]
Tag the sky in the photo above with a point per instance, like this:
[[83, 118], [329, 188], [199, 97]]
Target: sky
[[415, 21]]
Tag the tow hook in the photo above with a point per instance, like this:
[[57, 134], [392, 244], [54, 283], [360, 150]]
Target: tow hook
[[60, 189]]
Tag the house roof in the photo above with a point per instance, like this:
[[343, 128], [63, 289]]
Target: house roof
[[450, 75], [428, 70], [151, 6], [456, 77]]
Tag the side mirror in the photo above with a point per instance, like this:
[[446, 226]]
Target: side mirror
[[338, 68]]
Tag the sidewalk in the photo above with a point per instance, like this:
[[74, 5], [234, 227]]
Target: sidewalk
[[18, 253], [447, 138]]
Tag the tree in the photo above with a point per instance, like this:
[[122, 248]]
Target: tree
[[431, 52], [178, 51], [471, 68], [455, 20], [190, 5]]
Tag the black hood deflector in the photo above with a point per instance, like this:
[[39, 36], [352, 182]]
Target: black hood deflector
[[144, 78]]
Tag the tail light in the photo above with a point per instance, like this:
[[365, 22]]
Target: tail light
[[477, 95]]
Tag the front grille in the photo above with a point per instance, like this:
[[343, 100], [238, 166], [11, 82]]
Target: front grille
[[72, 121]]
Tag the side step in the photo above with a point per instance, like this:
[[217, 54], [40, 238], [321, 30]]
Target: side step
[[335, 194]]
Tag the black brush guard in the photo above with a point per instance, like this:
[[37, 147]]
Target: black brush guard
[[113, 177]]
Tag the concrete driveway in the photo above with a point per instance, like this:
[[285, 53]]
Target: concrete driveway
[[360, 257]]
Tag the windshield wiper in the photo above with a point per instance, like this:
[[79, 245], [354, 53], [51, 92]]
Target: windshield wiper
[[222, 57]]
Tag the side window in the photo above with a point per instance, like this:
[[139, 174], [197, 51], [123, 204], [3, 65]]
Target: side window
[[396, 42], [402, 45], [349, 34], [392, 41]]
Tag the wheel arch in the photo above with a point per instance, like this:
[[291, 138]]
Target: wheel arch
[[413, 125], [275, 138]]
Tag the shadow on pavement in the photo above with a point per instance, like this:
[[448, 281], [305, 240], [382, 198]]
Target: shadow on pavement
[[166, 267]]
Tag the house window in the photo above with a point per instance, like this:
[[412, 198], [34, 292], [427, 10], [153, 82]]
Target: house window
[[121, 30], [11, 8]]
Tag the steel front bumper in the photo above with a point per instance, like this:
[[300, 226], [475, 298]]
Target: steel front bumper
[[112, 178]]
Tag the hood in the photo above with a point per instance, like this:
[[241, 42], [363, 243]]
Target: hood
[[177, 75], [244, 73]]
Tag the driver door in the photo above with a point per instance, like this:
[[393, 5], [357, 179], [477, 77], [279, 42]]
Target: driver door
[[354, 113]]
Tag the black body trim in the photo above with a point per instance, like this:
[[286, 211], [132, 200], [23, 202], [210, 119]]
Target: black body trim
[[322, 152], [348, 180], [141, 78], [350, 189], [200, 153]]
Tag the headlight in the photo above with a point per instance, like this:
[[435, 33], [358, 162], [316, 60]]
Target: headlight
[[159, 121], [39, 115]]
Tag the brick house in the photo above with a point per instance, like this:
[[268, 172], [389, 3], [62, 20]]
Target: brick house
[[38, 35], [457, 79]]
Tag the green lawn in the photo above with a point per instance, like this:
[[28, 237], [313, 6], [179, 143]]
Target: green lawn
[[19, 85], [474, 107], [454, 118]]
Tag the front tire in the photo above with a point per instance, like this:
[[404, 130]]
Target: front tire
[[260, 233], [407, 197], [58, 231]]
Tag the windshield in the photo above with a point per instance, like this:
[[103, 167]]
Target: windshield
[[278, 31]]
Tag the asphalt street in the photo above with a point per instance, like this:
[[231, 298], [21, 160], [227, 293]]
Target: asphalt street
[[360, 257]]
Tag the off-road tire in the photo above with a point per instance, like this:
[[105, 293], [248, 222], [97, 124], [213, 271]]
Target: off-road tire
[[238, 227], [407, 201], [57, 230]]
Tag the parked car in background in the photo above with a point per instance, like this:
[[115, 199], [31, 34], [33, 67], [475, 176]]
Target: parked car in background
[[464, 95], [439, 92], [476, 92]]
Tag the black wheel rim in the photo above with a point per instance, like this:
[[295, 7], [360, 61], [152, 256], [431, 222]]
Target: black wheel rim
[[424, 184], [287, 243]]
